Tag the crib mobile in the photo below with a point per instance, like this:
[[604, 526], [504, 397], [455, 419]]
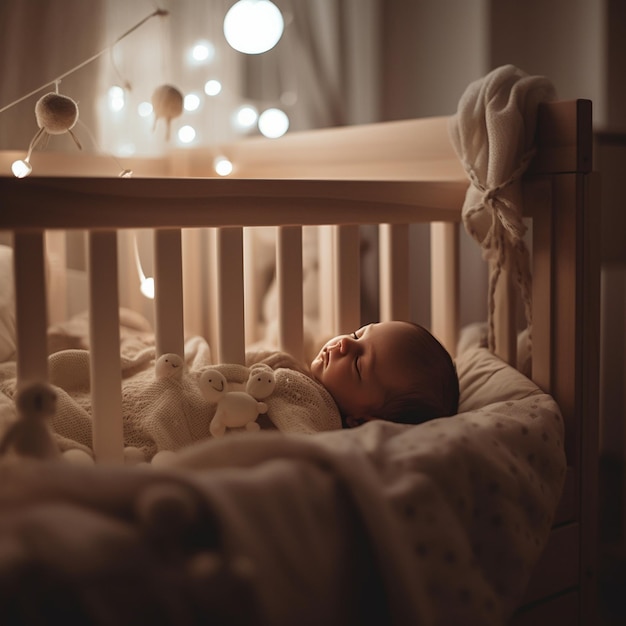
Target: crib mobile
[[560, 309]]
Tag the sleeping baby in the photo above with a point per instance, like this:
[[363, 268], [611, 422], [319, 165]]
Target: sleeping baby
[[395, 371]]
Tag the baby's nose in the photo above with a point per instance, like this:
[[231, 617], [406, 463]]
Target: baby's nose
[[346, 344]]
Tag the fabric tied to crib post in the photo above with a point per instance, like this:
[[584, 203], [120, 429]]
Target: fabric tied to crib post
[[493, 134]]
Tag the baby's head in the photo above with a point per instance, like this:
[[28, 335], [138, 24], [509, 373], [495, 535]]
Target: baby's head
[[396, 371]]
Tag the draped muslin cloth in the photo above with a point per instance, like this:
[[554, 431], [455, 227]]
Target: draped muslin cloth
[[493, 134]]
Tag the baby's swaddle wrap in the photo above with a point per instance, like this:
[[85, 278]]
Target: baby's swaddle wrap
[[170, 413]]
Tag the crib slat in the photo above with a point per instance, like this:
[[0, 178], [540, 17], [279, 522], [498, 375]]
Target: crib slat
[[231, 337], [30, 305], [445, 306], [326, 261], [393, 250], [104, 337], [168, 300], [537, 197], [505, 326], [195, 282], [347, 278], [252, 287], [289, 282], [57, 277]]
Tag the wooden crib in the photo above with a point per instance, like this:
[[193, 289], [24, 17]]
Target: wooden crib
[[391, 174]]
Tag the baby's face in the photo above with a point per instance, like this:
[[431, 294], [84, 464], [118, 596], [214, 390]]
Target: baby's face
[[362, 369]]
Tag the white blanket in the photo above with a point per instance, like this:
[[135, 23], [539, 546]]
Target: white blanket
[[431, 524], [161, 414]]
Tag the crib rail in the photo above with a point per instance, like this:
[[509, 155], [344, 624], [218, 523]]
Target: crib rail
[[103, 207], [99, 203]]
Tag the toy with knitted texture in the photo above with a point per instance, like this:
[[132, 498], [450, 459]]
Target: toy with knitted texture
[[169, 365], [55, 114], [237, 409], [31, 435], [167, 102]]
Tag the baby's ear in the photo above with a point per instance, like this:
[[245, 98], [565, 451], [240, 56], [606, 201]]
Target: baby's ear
[[353, 422]]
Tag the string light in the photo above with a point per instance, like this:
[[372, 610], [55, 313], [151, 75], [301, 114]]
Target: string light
[[273, 123], [250, 26], [116, 97], [21, 168], [253, 26], [202, 52], [146, 283], [186, 134], [245, 117], [58, 79], [192, 102], [222, 165], [212, 87], [145, 109], [57, 113]]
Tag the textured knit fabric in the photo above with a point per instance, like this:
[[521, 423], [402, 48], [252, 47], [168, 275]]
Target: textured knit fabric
[[493, 133], [166, 413]]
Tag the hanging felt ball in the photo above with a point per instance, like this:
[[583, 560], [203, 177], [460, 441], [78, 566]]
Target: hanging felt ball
[[56, 114], [167, 103]]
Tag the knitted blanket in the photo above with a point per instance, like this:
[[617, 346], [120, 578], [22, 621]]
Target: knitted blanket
[[162, 414]]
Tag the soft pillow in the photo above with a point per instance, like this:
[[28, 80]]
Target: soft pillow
[[7, 305], [484, 379]]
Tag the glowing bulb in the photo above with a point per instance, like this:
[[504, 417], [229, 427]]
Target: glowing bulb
[[273, 123], [202, 52], [116, 98], [212, 87], [145, 109], [147, 287], [245, 116], [253, 26], [21, 168], [186, 134], [191, 102], [223, 166]]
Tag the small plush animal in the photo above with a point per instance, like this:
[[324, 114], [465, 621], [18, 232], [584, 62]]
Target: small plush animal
[[169, 365], [30, 435], [237, 409]]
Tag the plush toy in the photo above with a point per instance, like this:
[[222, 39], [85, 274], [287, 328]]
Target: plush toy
[[237, 408], [31, 435], [167, 102], [169, 365], [55, 114]]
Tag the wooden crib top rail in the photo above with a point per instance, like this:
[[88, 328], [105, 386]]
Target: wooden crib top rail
[[396, 172], [101, 203]]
